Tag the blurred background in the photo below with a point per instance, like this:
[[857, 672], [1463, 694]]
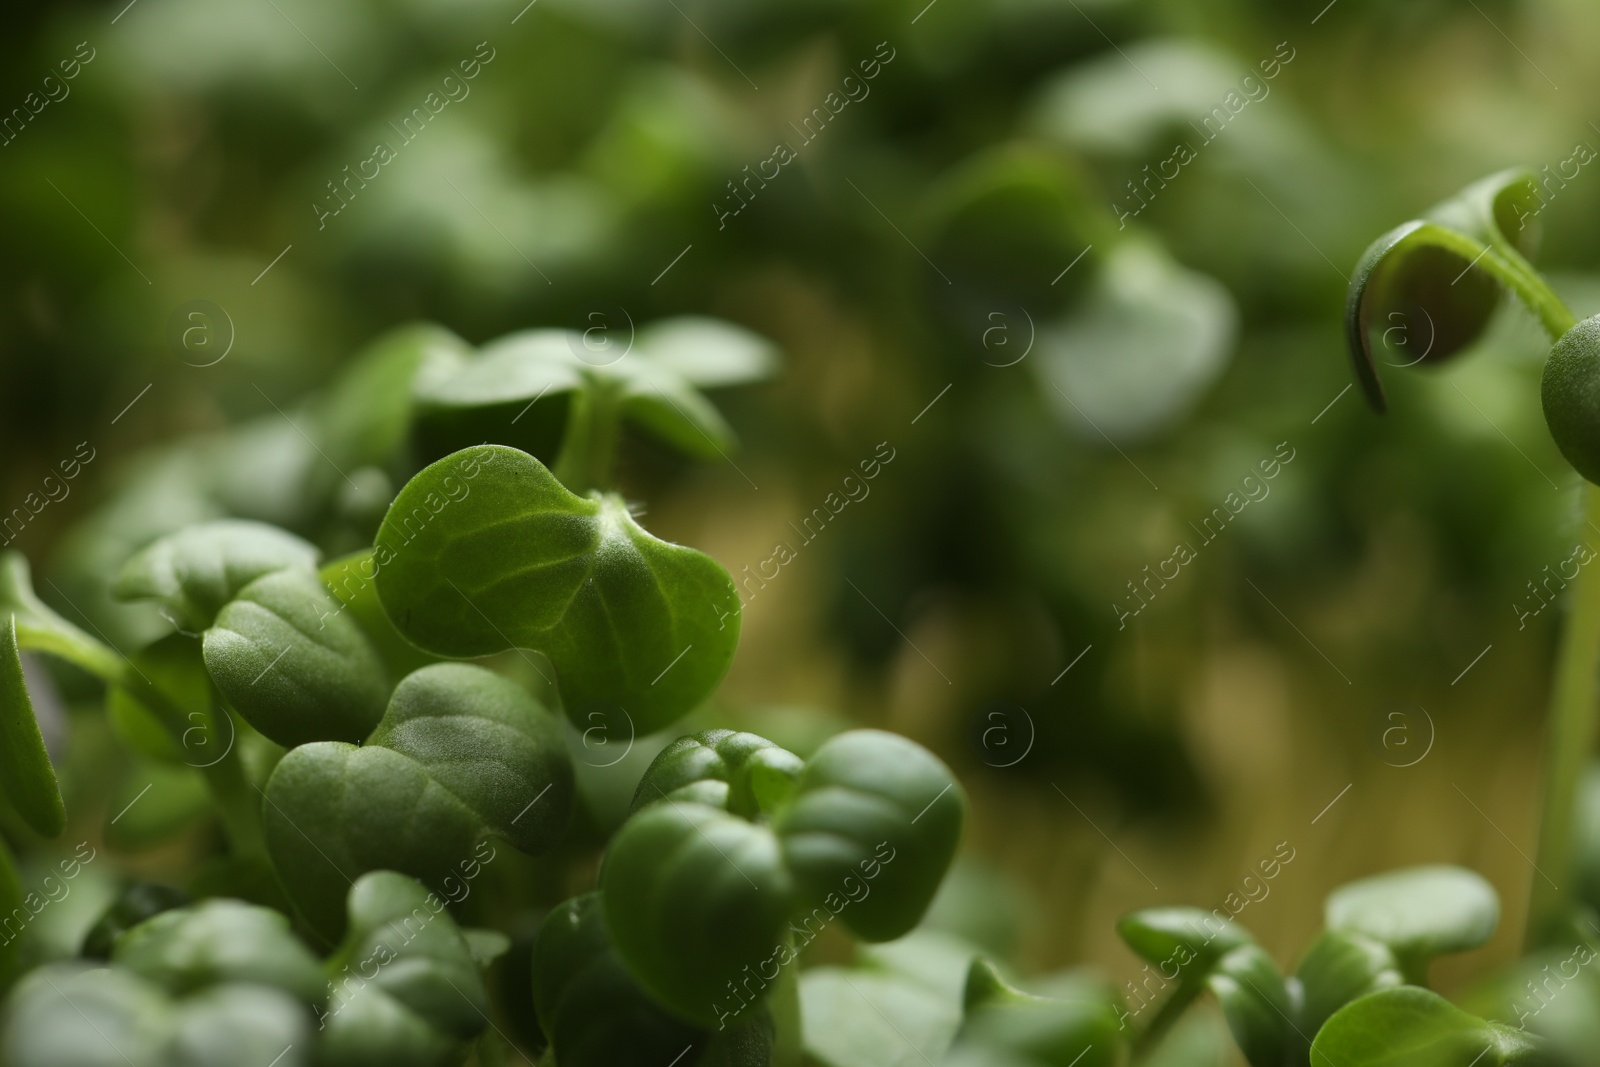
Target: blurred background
[[1149, 575]]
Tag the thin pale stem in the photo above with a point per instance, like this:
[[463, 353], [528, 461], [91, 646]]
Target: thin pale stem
[[588, 456]]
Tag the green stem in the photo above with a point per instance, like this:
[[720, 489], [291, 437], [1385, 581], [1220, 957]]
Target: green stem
[[588, 456], [1171, 1011], [1569, 742], [238, 803], [1575, 694]]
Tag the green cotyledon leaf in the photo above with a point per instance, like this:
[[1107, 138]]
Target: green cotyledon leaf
[[485, 550], [287, 659], [460, 756], [1412, 1027], [595, 1015], [1429, 286], [1256, 1003], [26, 774], [698, 901], [67, 1013], [403, 988], [1570, 393], [186, 949], [733, 844], [1418, 912], [869, 797], [192, 573], [741, 772]]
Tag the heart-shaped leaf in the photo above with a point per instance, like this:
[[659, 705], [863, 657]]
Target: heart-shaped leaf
[[461, 754], [596, 1016], [1571, 395], [404, 987], [697, 897], [194, 572], [1412, 1027], [1430, 285], [292, 664], [866, 798], [1256, 1004], [26, 775], [215, 941], [485, 550], [649, 379], [1340, 967], [1418, 912], [697, 901]]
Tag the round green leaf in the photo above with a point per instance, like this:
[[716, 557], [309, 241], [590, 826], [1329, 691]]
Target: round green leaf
[[1412, 1027], [194, 572], [26, 774], [1571, 392], [875, 814], [1341, 966], [1418, 912], [697, 902], [1190, 939], [707, 352], [461, 754], [292, 664], [1436, 279], [404, 989], [1256, 1004], [485, 550]]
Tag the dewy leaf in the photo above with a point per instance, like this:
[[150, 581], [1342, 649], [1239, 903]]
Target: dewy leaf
[[404, 988], [194, 572], [461, 754], [871, 804], [1255, 1002], [485, 550], [292, 664], [595, 1015], [66, 1013], [1412, 1027], [26, 775], [1418, 912], [1429, 286], [1341, 966], [697, 901], [215, 941], [1571, 396]]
